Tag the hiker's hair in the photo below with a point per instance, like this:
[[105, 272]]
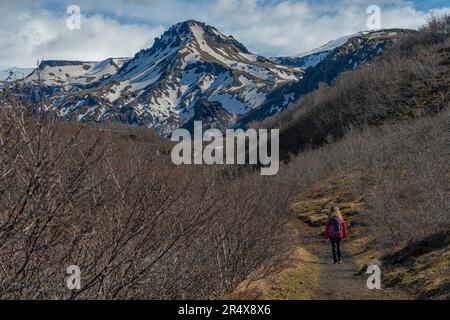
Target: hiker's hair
[[335, 212]]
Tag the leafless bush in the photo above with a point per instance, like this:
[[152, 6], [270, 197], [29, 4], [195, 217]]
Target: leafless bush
[[113, 204], [388, 120], [412, 201], [407, 165], [437, 24]]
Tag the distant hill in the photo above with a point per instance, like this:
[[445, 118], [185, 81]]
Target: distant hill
[[13, 74]]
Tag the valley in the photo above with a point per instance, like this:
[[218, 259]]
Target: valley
[[88, 177]]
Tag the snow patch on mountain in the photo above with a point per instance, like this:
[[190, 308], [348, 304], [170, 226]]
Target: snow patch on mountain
[[330, 46], [13, 74], [71, 73], [194, 71]]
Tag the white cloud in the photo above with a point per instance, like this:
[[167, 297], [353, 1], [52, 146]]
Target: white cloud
[[289, 27], [266, 27], [30, 36]]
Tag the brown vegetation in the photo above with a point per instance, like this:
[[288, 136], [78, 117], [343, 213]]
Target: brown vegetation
[[109, 200], [112, 203], [381, 134]]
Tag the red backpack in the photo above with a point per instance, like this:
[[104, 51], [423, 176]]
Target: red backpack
[[335, 227]]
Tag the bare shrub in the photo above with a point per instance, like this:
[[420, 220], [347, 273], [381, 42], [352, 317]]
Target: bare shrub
[[437, 24], [408, 167], [112, 203], [412, 201]]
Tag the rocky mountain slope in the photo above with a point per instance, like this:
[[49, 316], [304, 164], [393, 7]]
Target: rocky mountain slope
[[69, 74], [327, 63], [194, 71], [312, 58]]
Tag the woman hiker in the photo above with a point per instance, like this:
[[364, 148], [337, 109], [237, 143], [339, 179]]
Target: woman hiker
[[336, 230]]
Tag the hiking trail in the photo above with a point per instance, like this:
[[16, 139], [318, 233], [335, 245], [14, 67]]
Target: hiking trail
[[338, 281], [311, 274]]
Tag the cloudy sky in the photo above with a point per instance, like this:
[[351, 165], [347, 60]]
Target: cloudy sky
[[31, 30]]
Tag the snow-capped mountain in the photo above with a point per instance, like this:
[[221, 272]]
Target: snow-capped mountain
[[357, 50], [188, 63], [13, 74], [314, 57], [194, 72], [72, 73], [161, 86]]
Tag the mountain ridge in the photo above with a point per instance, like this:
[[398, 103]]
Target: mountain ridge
[[191, 62]]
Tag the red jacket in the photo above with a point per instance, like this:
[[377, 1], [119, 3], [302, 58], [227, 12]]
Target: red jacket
[[343, 234]]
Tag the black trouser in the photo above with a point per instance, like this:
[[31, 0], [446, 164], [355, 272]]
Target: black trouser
[[336, 248]]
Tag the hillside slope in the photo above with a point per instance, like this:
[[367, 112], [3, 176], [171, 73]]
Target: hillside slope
[[330, 61], [375, 144], [409, 80], [394, 198]]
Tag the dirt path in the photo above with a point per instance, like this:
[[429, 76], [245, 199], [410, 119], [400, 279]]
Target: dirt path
[[338, 282], [307, 270], [310, 274]]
